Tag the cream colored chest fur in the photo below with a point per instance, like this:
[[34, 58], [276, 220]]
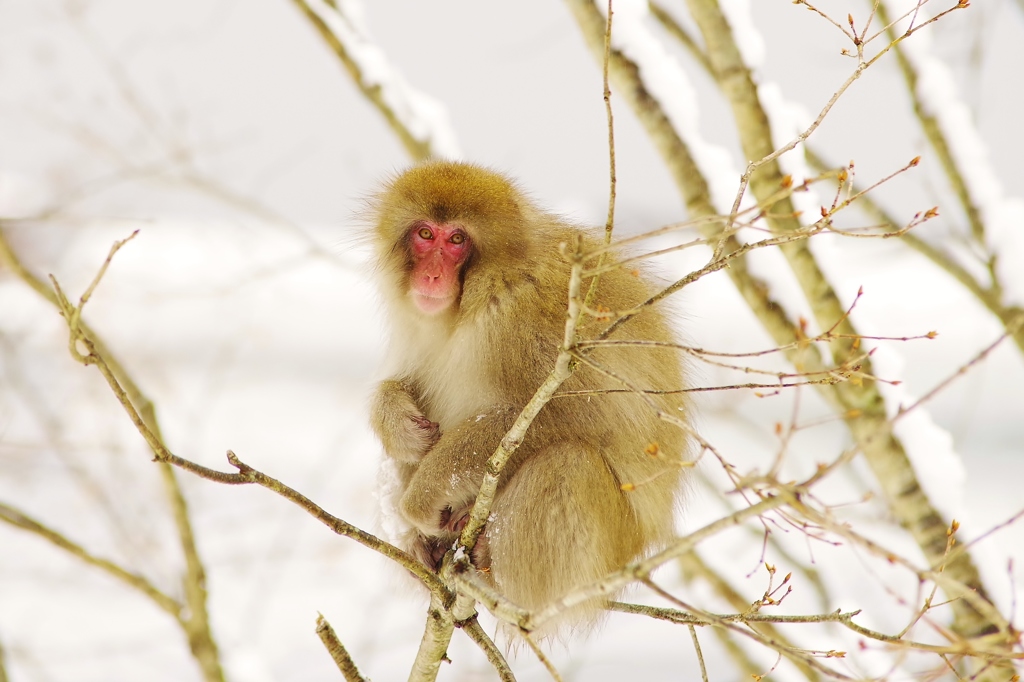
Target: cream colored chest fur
[[444, 365]]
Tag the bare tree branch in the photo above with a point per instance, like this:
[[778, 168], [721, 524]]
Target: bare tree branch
[[691, 563], [933, 132], [197, 623], [476, 632], [700, 654], [337, 651], [246, 474], [19, 519], [862, 405], [989, 295], [676, 30], [433, 648]]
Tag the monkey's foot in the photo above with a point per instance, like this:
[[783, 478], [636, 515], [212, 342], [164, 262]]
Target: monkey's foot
[[430, 550]]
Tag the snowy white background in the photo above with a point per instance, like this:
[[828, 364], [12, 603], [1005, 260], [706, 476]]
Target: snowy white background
[[229, 134]]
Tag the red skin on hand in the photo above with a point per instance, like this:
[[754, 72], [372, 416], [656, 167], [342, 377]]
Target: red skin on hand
[[438, 253]]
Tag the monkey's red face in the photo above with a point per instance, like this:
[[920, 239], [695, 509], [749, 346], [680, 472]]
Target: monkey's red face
[[438, 254]]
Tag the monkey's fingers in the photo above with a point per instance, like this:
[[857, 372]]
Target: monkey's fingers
[[431, 430], [429, 551], [452, 522]]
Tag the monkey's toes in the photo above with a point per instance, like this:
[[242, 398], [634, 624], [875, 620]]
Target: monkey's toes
[[446, 518], [481, 554]]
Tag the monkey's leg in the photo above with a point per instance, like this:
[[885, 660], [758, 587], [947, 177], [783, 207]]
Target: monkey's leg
[[447, 479], [561, 522]]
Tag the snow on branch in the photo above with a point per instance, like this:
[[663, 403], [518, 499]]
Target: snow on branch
[[938, 467], [668, 83], [1002, 216], [421, 121]]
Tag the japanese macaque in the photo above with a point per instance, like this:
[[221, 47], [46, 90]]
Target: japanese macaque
[[476, 287]]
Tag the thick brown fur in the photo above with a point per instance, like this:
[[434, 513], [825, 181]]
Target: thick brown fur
[[564, 515]]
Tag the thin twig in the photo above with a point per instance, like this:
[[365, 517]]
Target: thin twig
[[700, 654], [796, 655], [990, 297], [542, 657], [963, 369], [844, 618], [197, 623], [337, 651], [607, 94], [476, 632], [775, 388], [19, 519], [857, 73]]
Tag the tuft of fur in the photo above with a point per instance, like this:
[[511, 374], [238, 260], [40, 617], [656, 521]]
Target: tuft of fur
[[597, 479]]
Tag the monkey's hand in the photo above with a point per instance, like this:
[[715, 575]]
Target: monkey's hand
[[406, 433]]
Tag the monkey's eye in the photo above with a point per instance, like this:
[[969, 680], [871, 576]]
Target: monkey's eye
[[425, 233], [457, 238]]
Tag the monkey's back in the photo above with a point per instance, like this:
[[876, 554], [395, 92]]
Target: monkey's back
[[644, 451]]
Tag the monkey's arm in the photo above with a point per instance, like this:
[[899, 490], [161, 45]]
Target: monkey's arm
[[407, 435], [448, 478]]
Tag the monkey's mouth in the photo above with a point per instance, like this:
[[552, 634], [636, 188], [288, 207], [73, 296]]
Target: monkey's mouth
[[431, 305]]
